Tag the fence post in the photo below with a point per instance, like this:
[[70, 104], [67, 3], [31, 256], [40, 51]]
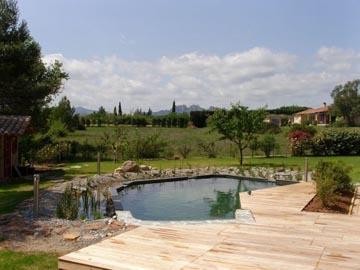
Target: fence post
[[36, 195], [98, 163], [306, 168]]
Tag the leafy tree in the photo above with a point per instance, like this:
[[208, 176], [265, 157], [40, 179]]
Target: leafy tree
[[65, 114], [347, 101], [173, 108], [27, 85], [268, 144], [239, 125]]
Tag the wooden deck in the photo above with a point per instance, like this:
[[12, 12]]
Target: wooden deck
[[283, 237]]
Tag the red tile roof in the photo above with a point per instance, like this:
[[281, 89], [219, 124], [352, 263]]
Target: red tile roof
[[317, 110], [13, 125]]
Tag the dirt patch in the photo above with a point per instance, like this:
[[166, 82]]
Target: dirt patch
[[341, 204]]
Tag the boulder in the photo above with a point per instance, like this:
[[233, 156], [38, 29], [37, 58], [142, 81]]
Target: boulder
[[145, 168], [72, 235], [130, 166], [117, 225]]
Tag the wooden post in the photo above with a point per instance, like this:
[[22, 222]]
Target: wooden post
[[36, 195], [306, 170], [98, 163]]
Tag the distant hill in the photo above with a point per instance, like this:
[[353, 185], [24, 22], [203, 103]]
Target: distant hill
[[83, 111], [180, 109]]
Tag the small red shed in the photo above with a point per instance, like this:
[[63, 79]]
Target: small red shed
[[11, 128]]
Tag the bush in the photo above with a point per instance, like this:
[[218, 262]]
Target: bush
[[184, 150], [331, 178], [254, 146], [300, 141], [271, 128], [150, 146], [199, 118], [304, 128], [209, 148], [336, 142], [268, 144]]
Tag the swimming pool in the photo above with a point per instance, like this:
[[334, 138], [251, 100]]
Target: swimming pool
[[187, 199]]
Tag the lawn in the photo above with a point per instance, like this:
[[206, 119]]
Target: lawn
[[89, 168], [12, 260], [14, 193]]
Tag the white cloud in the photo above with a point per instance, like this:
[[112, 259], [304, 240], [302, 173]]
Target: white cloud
[[255, 77]]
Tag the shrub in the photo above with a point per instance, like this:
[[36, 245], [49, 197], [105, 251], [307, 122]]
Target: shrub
[[271, 128], [199, 118], [268, 144], [150, 146], [209, 148], [336, 142], [184, 150], [299, 141], [254, 146], [305, 128], [331, 178]]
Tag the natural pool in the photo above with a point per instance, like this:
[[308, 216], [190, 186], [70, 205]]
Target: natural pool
[[189, 199]]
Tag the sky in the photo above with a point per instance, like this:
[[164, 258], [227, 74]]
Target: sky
[[207, 52]]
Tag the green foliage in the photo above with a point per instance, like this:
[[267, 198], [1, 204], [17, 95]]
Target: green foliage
[[68, 206], [27, 85], [209, 148], [254, 145], [65, 114], [304, 128], [239, 125], [57, 129], [347, 102], [336, 142], [199, 118], [268, 144], [331, 178]]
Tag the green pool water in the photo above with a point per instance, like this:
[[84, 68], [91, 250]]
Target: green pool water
[[191, 199]]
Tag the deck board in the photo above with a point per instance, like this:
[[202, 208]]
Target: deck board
[[283, 237]]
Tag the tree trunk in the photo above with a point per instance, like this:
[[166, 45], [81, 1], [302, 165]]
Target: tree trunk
[[240, 155]]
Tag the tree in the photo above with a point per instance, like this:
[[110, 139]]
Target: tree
[[27, 85], [173, 109], [115, 111], [268, 144], [149, 113], [119, 109], [347, 101], [239, 125], [64, 113]]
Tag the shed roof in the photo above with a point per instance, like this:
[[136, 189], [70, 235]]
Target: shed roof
[[13, 125]]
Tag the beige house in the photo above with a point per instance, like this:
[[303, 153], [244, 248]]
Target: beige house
[[11, 128], [318, 116]]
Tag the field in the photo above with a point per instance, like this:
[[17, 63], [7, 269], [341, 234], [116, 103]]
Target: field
[[11, 260], [176, 137]]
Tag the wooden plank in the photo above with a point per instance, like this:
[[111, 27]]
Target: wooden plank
[[283, 237]]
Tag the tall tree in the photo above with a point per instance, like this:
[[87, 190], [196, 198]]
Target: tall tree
[[173, 109], [347, 101], [115, 111], [119, 109], [64, 113], [26, 83], [239, 125], [149, 112]]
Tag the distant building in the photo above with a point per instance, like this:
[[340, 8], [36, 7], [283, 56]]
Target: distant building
[[277, 119], [318, 116], [11, 128]]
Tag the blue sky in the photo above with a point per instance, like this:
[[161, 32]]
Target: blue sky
[[132, 36]]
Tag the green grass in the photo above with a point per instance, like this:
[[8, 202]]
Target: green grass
[[89, 168], [19, 190], [11, 260]]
